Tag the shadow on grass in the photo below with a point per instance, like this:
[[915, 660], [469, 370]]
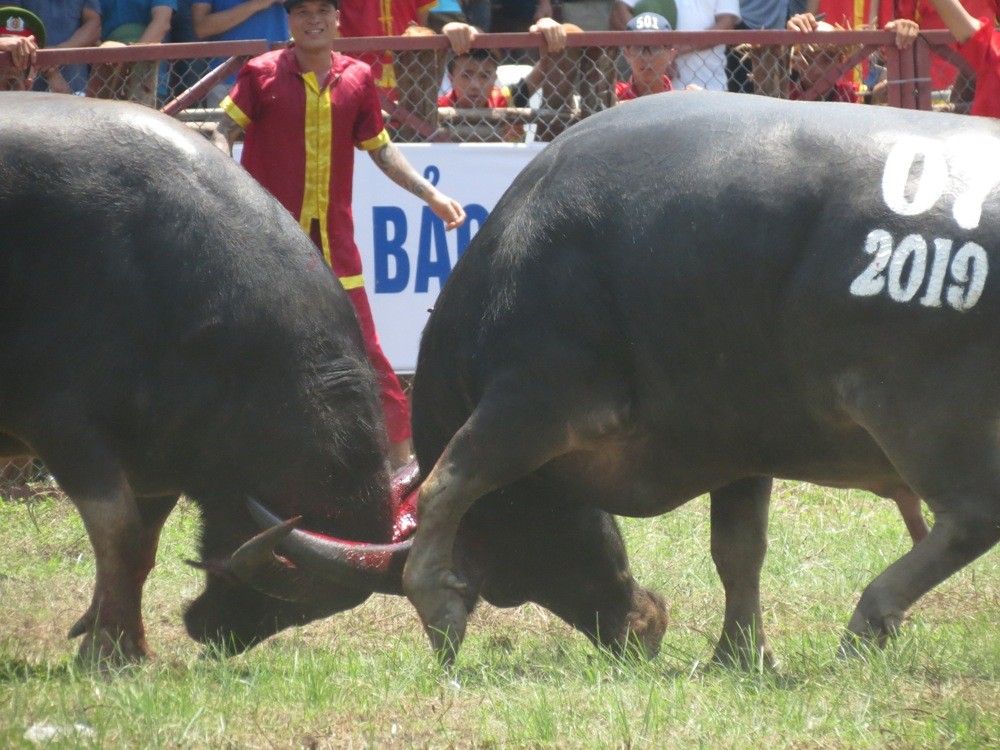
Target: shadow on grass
[[15, 670]]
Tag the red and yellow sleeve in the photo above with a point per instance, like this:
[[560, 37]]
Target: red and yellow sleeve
[[239, 104], [369, 127]]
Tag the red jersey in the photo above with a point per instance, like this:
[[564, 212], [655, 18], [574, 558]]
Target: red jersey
[[300, 139], [499, 98], [983, 53], [625, 90], [380, 18], [925, 14]]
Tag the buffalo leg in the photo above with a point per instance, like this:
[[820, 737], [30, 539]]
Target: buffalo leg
[[962, 531], [124, 534], [506, 438], [908, 503], [958, 474], [739, 543]]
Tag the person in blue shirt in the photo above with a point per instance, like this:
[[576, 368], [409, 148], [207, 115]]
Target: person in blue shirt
[[235, 20], [131, 22], [68, 23], [445, 12], [136, 21]]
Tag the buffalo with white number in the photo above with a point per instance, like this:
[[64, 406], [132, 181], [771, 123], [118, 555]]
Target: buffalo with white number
[[696, 293]]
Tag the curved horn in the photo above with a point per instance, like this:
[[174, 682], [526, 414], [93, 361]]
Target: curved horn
[[256, 565], [404, 494], [372, 567]]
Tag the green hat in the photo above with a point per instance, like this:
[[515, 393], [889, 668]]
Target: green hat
[[20, 22], [127, 33]]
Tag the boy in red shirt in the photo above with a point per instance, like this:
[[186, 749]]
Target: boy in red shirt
[[650, 64], [979, 43], [473, 72]]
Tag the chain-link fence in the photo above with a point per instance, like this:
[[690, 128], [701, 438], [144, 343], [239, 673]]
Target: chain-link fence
[[512, 89]]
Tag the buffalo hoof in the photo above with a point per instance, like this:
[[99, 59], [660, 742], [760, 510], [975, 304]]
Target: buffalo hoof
[[105, 646], [864, 634], [443, 611], [747, 658], [744, 648]]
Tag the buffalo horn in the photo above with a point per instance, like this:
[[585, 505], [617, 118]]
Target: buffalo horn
[[255, 564], [371, 567]]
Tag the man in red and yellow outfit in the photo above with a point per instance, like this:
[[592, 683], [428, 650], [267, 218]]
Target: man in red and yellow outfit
[[382, 18], [304, 110]]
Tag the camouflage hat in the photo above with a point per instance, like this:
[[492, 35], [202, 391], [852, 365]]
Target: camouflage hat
[[20, 22]]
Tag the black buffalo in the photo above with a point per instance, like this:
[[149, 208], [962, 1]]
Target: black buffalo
[[693, 294], [168, 329]]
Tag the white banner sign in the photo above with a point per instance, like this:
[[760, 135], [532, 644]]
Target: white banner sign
[[405, 251]]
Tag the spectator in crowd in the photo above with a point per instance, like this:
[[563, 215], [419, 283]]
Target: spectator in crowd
[[68, 23], [623, 11], [811, 63], [943, 73], [650, 64], [282, 125], [762, 69], [369, 18], [473, 72], [701, 64], [22, 33], [979, 43], [234, 20], [445, 12], [131, 22]]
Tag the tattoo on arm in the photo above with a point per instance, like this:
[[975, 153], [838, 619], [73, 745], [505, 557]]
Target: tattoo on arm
[[391, 161]]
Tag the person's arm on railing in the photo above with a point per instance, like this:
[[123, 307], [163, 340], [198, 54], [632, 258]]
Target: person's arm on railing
[[959, 21], [87, 34], [906, 31], [555, 41], [22, 50], [208, 24]]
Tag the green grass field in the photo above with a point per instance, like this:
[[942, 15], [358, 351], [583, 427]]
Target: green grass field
[[366, 678]]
